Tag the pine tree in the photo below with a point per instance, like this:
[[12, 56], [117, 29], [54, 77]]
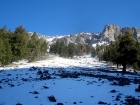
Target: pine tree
[[57, 47], [43, 47], [19, 41], [127, 50], [33, 47], [1, 50], [71, 49], [93, 52], [63, 50], [7, 53]]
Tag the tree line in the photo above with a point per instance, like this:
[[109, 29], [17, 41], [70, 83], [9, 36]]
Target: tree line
[[19, 45], [124, 51], [71, 49]]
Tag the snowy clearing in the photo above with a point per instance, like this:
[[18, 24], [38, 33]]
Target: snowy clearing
[[61, 81]]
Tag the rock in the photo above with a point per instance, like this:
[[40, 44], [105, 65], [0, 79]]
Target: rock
[[118, 97], [135, 31], [8, 74], [12, 85], [65, 39], [124, 81], [45, 87], [136, 81], [100, 102], [80, 102], [132, 101], [114, 83], [45, 72], [34, 68], [76, 38], [24, 79], [39, 72], [95, 39], [41, 76], [60, 104], [128, 97], [18, 104], [113, 91], [52, 99], [36, 96], [110, 32], [80, 40], [137, 89], [35, 92], [74, 103]]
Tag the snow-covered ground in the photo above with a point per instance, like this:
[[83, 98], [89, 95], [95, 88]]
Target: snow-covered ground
[[81, 81], [100, 43]]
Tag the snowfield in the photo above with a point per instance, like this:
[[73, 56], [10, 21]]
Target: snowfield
[[61, 81]]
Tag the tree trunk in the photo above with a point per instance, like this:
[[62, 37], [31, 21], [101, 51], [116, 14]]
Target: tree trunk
[[117, 65], [124, 67]]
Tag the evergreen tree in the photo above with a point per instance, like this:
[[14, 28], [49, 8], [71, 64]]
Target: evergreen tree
[[52, 47], [57, 47], [88, 48], [19, 42], [135, 66], [1, 50], [99, 51], [19, 45], [71, 49], [93, 52], [7, 53], [63, 50], [33, 47], [138, 53], [127, 50], [43, 47]]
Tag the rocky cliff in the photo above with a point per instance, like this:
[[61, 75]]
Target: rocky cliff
[[77, 38], [109, 33]]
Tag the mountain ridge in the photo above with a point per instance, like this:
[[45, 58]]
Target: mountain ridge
[[110, 33]]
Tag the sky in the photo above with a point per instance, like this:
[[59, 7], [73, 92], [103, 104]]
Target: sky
[[63, 17]]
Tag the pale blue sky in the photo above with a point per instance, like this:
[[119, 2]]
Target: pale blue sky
[[61, 17]]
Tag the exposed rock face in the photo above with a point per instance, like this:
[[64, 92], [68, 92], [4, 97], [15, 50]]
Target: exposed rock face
[[77, 38], [95, 39], [110, 33], [66, 40], [135, 31]]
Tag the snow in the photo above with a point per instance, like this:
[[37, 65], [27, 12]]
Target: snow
[[99, 43], [53, 37], [84, 90]]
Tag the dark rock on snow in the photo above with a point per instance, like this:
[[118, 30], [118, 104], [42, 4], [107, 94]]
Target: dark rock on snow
[[60, 104], [18, 104], [52, 99], [100, 102], [35, 92], [137, 89]]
